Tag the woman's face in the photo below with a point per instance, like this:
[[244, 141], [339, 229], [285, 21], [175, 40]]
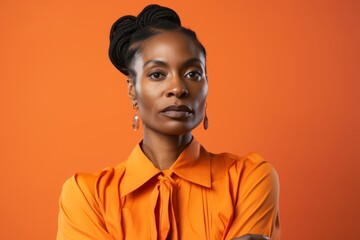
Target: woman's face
[[170, 86]]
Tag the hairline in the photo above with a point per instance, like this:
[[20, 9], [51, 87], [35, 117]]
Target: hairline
[[139, 44]]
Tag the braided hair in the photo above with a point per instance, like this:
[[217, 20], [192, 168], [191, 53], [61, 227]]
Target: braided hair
[[128, 32]]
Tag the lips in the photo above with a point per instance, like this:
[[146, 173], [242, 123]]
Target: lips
[[177, 111]]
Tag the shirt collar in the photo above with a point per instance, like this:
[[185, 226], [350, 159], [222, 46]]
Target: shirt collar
[[193, 165]]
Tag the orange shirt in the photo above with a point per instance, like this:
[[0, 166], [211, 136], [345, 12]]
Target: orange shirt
[[202, 196]]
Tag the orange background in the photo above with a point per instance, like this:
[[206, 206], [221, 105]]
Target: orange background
[[283, 81]]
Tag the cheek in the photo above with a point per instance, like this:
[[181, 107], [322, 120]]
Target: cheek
[[201, 94], [146, 95]]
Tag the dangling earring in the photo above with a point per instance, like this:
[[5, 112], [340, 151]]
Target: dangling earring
[[136, 120], [206, 120]]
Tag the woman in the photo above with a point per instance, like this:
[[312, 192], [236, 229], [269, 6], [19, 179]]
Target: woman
[[170, 187]]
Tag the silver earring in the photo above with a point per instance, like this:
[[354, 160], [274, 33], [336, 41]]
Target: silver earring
[[206, 120], [135, 120]]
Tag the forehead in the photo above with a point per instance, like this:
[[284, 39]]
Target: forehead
[[170, 46]]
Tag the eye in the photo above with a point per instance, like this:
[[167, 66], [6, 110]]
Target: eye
[[156, 75], [194, 75]]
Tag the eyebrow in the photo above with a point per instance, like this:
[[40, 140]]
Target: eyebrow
[[162, 63], [155, 62]]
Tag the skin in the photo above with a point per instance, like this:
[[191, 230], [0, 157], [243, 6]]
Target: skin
[[169, 70]]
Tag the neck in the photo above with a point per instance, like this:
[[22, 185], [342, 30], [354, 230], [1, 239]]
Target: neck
[[162, 149]]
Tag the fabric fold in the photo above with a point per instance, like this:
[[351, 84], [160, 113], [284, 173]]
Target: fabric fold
[[163, 201]]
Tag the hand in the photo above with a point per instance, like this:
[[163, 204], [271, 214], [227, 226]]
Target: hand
[[252, 237]]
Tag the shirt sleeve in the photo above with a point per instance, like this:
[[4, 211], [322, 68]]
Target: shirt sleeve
[[79, 214], [257, 204]]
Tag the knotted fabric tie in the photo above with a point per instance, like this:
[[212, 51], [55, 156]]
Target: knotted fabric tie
[[163, 202]]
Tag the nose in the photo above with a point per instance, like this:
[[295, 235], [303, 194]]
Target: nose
[[177, 89]]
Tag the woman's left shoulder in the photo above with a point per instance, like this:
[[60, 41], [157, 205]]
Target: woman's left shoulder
[[250, 163]]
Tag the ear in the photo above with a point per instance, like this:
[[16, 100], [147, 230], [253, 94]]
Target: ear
[[131, 90]]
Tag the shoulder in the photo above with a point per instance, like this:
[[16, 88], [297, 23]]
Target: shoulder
[[251, 165], [91, 185], [83, 210], [239, 163], [251, 184]]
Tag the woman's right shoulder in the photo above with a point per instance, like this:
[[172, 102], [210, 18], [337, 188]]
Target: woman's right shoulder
[[87, 203], [94, 184]]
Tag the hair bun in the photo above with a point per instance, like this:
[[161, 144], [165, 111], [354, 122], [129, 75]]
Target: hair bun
[[154, 13], [125, 27], [120, 35], [125, 22]]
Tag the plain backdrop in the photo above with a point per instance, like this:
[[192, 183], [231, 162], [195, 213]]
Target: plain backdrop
[[283, 82]]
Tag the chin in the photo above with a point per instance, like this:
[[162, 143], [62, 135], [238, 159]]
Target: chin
[[175, 128]]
